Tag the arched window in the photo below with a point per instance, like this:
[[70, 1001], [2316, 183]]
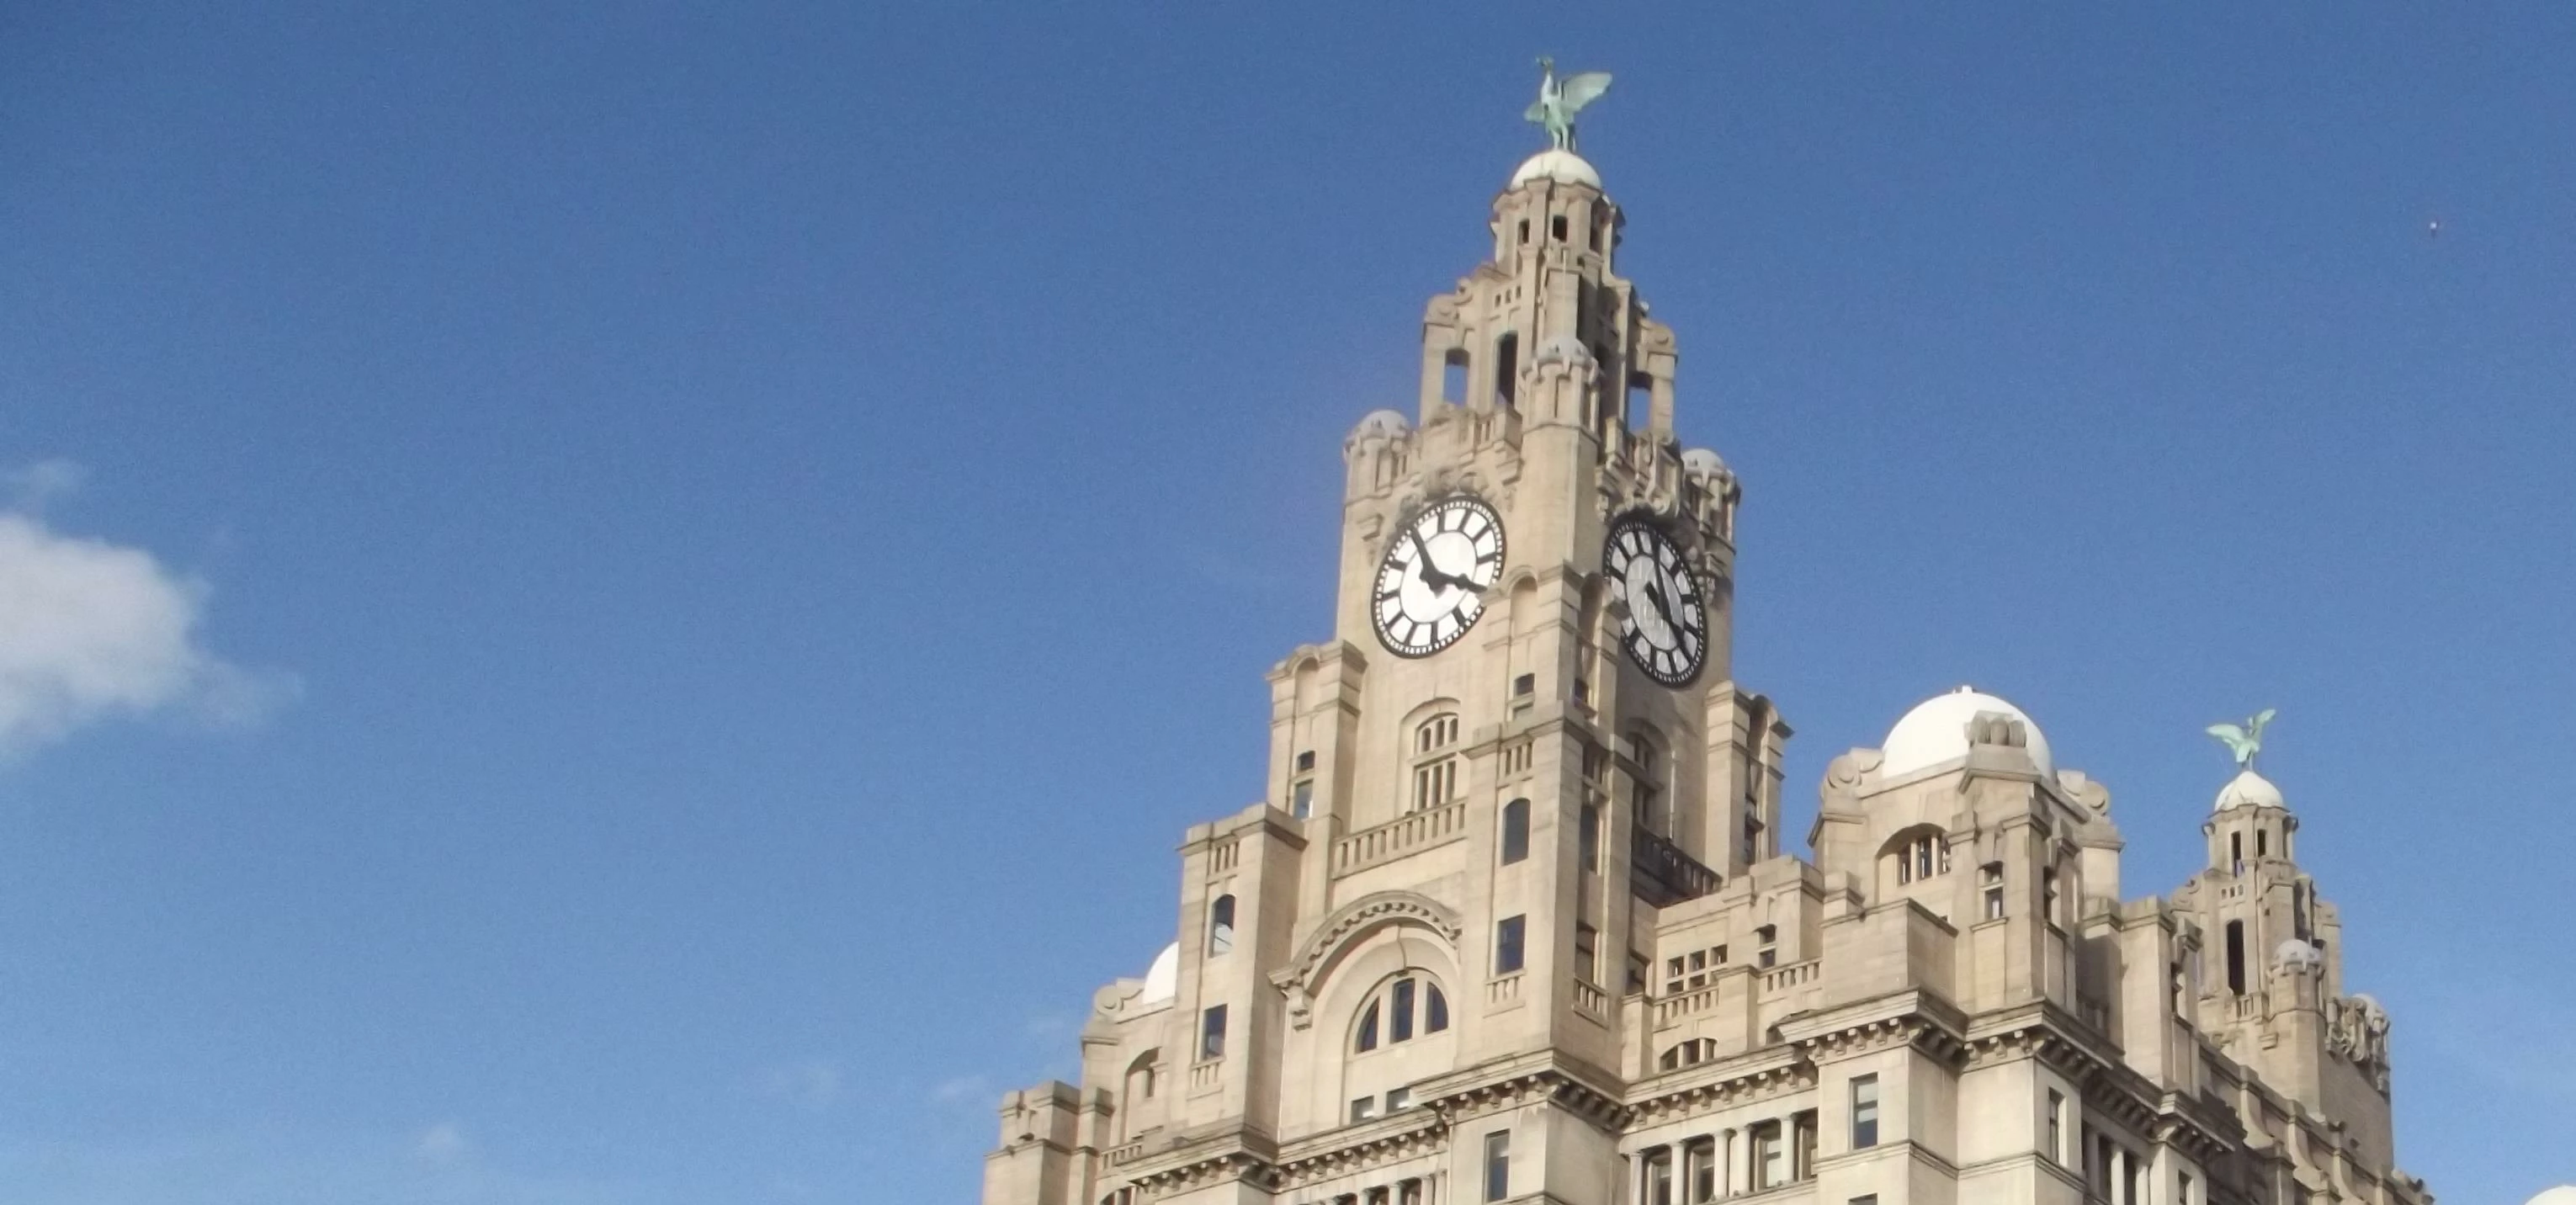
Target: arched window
[[1515, 831], [1920, 854], [1221, 925], [1406, 1007], [1436, 780]]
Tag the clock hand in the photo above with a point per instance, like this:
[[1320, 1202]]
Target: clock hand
[[1656, 598], [1433, 575]]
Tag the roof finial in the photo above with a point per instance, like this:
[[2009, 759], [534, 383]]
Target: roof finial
[[1559, 100], [2244, 742]]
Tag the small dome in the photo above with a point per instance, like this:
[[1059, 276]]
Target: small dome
[[2564, 1194], [1564, 167], [1163, 979], [1936, 731], [1701, 462], [2248, 790]]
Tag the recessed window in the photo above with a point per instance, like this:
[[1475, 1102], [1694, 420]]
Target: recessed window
[[1301, 798], [1864, 1111], [1305, 761], [1453, 375], [1556, 228], [1991, 878], [1526, 684], [1752, 840], [2048, 895], [1507, 368], [1397, 1098], [1659, 1176], [1221, 926], [1515, 831], [1768, 936], [1921, 858], [1507, 944], [2057, 1126], [1770, 1158], [1364, 1108], [1699, 1167], [1435, 776], [1498, 1165], [1588, 838], [1212, 1033], [1407, 1006], [1587, 955]]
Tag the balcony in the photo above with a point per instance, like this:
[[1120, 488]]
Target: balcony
[[1662, 875]]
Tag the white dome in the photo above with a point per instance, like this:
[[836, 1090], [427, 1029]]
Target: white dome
[[2249, 789], [1564, 167], [1163, 979], [1936, 731], [2564, 1194]]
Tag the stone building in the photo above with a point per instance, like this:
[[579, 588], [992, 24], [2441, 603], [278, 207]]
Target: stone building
[[1513, 921]]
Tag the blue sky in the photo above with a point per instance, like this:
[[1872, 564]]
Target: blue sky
[[645, 591]]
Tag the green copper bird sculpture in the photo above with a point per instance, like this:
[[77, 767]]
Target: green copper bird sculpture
[[1559, 100]]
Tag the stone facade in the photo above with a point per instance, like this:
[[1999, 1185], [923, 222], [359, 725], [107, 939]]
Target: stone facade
[[1513, 922]]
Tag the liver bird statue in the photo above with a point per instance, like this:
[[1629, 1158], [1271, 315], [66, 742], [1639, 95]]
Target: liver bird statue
[[2245, 741], [1560, 99]]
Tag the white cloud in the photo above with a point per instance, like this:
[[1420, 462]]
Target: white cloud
[[32, 487], [91, 630], [810, 1085], [441, 1143]]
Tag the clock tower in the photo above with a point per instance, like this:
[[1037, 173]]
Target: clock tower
[[1511, 922]]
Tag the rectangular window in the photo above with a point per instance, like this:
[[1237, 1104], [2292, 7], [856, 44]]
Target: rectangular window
[[1408, 1192], [1590, 837], [1301, 798], [1507, 945], [1769, 954], [1364, 1108], [2048, 896], [2056, 1127], [1871, 1199], [1802, 1146], [1991, 877], [1752, 840], [2236, 957], [1659, 1176], [1769, 1160], [1587, 964], [1399, 1021], [1498, 1165], [1864, 1112], [1699, 1166], [2182, 1188], [1212, 1033], [1526, 684], [1397, 1098], [2128, 1182]]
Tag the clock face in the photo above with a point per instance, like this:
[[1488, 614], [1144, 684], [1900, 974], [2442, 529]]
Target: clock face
[[1666, 628], [1431, 586]]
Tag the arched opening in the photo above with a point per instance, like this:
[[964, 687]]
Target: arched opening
[[1221, 926]]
